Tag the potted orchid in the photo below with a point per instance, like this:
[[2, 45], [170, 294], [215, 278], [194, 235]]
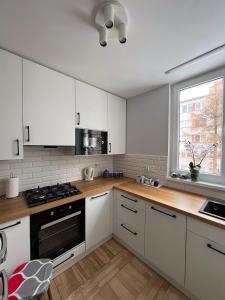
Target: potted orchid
[[197, 152]]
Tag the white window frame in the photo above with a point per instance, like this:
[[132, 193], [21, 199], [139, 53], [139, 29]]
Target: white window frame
[[174, 115]]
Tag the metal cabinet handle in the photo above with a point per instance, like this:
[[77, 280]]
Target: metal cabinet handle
[[15, 224], [94, 197], [110, 147], [4, 279], [78, 121], [3, 250], [163, 212], [133, 232], [72, 255], [212, 248], [134, 200], [28, 133], [18, 147], [134, 211]]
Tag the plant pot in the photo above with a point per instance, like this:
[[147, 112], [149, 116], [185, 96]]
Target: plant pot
[[195, 173]]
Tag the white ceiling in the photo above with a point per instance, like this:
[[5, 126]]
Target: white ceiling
[[162, 34]]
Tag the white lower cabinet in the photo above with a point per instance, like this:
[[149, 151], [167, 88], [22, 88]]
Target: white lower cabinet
[[18, 243], [130, 214], [165, 241], [99, 213], [205, 261]]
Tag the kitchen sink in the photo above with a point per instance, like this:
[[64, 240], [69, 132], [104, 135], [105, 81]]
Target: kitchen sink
[[214, 209]]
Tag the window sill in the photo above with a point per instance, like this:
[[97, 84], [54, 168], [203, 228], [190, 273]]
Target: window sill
[[213, 186]]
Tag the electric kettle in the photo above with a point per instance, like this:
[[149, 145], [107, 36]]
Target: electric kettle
[[88, 174]]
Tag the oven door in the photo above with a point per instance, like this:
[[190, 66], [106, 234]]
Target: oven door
[[59, 236]]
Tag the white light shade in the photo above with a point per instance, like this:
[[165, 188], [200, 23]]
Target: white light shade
[[103, 36], [122, 28], [109, 15]]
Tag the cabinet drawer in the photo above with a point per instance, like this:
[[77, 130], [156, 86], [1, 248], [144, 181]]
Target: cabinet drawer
[[131, 236], [130, 199], [206, 230], [128, 213]]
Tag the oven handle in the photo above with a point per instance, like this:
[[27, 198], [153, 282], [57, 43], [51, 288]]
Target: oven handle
[[60, 220]]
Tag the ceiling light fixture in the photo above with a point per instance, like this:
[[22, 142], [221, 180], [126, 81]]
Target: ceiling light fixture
[[111, 22], [108, 12], [196, 59], [103, 36]]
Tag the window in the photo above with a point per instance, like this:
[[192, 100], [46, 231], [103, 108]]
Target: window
[[197, 108], [183, 108], [189, 107]]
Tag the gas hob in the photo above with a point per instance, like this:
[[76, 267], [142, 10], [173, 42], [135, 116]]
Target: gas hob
[[42, 195]]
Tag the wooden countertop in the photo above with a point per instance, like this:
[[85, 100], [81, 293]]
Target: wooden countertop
[[180, 201], [183, 202], [11, 209]]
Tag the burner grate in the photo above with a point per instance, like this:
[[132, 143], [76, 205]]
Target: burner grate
[[46, 194]]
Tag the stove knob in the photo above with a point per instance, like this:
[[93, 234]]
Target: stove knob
[[52, 213], [70, 207]]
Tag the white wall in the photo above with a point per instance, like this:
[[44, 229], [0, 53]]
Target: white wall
[[147, 122]]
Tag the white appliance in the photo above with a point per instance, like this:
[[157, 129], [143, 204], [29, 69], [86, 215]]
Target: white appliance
[[89, 173]]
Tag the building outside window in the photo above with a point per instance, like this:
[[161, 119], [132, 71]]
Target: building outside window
[[197, 115]]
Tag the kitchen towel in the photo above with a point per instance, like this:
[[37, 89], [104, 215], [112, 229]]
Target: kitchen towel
[[12, 187]]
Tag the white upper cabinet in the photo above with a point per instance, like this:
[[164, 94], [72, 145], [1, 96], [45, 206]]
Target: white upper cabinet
[[116, 125], [91, 107], [11, 133], [48, 106]]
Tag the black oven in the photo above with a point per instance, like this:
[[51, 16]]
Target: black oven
[[57, 230]]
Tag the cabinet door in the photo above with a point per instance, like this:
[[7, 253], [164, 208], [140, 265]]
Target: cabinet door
[[48, 106], [11, 132], [205, 268], [98, 218], [116, 125], [165, 236], [18, 243], [91, 107]]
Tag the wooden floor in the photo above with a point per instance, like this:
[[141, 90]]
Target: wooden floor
[[111, 272]]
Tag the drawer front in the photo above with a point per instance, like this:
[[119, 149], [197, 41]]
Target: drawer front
[[131, 200], [128, 213], [206, 230], [131, 236], [68, 256]]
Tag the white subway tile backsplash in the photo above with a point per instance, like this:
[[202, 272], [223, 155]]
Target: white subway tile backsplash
[[44, 166], [134, 164]]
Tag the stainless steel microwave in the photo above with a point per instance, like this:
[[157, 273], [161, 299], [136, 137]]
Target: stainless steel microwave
[[91, 142]]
